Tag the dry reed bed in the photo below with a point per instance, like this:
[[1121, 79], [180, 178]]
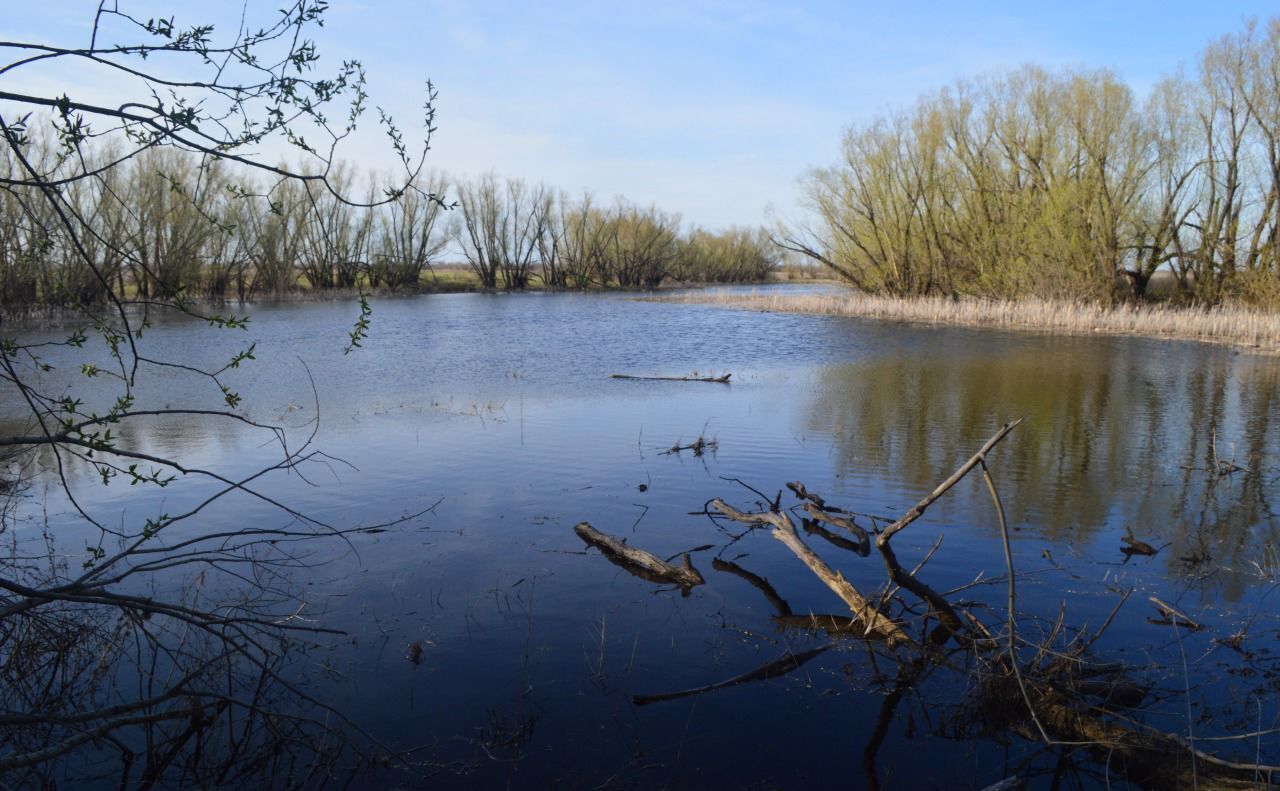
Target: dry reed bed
[[1229, 325]]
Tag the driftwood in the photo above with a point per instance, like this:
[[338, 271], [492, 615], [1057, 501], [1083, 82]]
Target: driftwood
[[875, 622], [818, 514], [1058, 696], [1172, 616], [639, 562], [942, 488], [812, 528], [778, 667], [724, 380], [803, 493]]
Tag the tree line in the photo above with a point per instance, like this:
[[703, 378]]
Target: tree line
[[166, 223], [1063, 184]]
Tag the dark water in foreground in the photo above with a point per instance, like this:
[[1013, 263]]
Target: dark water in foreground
[[502, 409]]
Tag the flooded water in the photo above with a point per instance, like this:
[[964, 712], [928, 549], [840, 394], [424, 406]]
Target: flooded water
[[485, 638]]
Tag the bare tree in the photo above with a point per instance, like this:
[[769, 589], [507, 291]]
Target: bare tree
[[477, 230], [410, 236], [164, 648]]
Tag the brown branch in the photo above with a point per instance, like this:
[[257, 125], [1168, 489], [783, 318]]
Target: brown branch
[[862, 609], [818, 513], [942, 488], [638, 561]]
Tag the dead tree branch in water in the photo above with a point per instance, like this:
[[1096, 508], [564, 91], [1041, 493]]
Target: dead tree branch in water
[[723, 379], [642, 564], [1053, 691], [778, 667]]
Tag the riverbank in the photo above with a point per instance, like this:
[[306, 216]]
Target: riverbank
[[448, 279], [1227, 325]]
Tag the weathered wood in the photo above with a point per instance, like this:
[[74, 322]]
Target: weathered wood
[[638, 561], [802, 493], [918, 510], [1172, 616], [810, 527], [778, 667], [875, 622], [819, 514], [724, 380]]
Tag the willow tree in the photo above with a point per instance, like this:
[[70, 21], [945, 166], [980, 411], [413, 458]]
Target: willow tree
[[1062, 184]]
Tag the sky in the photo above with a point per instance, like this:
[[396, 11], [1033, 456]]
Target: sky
[[713, 110]]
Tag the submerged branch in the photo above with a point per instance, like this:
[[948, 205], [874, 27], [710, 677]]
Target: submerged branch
[[862, 609], [778, 667]]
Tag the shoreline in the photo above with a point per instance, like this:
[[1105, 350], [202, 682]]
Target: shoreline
[[28, 317], [1247, 329]]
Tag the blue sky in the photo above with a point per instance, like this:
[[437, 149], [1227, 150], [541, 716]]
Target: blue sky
[[709, 109]]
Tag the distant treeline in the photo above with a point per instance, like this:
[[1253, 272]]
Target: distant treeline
[[1063, 185], [166, 223]]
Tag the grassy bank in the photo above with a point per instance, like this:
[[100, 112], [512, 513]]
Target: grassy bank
[[1235, 326]]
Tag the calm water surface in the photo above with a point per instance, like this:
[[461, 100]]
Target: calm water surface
[[500, 410]]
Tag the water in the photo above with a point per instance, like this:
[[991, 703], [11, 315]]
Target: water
[[499, 410]]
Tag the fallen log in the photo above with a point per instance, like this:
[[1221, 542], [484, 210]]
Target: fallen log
[[875, 622], [639, 562], [778, 667], [724, 380]]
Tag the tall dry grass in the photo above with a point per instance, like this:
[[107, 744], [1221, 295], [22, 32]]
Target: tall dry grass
[[1228, 325]]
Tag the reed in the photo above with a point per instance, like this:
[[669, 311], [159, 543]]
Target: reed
[[1230, 325]]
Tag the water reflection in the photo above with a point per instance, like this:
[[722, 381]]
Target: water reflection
[[529, 649], [1118, 434]]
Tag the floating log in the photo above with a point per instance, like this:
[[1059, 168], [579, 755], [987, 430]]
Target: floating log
[[724, 380], [639, 562], [778, 667]]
